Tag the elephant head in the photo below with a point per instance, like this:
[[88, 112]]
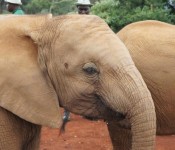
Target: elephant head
[[82, 66]]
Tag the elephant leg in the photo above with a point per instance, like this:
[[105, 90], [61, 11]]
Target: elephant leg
[[120, 137], [31, 136], [16, 133]]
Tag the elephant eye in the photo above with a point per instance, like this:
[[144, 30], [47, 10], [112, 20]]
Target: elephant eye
[[90, 68]]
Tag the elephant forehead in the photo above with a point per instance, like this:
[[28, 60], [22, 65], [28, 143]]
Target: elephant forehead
[[86, 21], [84, 30], [79, 36], [86, 24], [80, 20], [73, 26]]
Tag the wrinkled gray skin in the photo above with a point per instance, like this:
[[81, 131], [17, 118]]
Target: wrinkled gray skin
[[82, 66]]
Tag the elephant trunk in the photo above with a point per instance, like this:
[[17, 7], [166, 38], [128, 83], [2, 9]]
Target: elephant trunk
[[132, 97], [143, 121]]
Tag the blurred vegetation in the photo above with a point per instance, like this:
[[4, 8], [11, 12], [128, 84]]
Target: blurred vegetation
[[117, 13], [56, 7]]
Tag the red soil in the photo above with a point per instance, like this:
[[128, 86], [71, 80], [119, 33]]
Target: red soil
[[82, 134]]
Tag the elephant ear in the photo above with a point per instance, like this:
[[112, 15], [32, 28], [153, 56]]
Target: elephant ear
[[24, 89]]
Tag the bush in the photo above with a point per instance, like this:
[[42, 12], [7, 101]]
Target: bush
[[118, 14]]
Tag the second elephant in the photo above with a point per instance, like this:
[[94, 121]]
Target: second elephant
[[152, 47]]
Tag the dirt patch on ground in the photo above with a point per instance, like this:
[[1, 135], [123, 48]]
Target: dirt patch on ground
[[82, 134]]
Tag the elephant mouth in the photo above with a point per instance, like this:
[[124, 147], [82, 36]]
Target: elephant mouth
[[93, 107], [91, 118], [100, 110], [106, 112], [111, 115]]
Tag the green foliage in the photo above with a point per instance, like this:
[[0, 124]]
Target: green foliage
[[36, 6], [119, 13], [55, 7], [64, 7]]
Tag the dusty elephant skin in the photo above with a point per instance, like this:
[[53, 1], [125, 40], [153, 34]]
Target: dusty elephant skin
[[69, 61], [152, 47]]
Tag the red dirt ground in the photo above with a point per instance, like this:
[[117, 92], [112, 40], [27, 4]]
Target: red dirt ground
[[82, 134]]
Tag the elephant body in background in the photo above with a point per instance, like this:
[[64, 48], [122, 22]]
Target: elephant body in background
[[152, 47], [68, 61]]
